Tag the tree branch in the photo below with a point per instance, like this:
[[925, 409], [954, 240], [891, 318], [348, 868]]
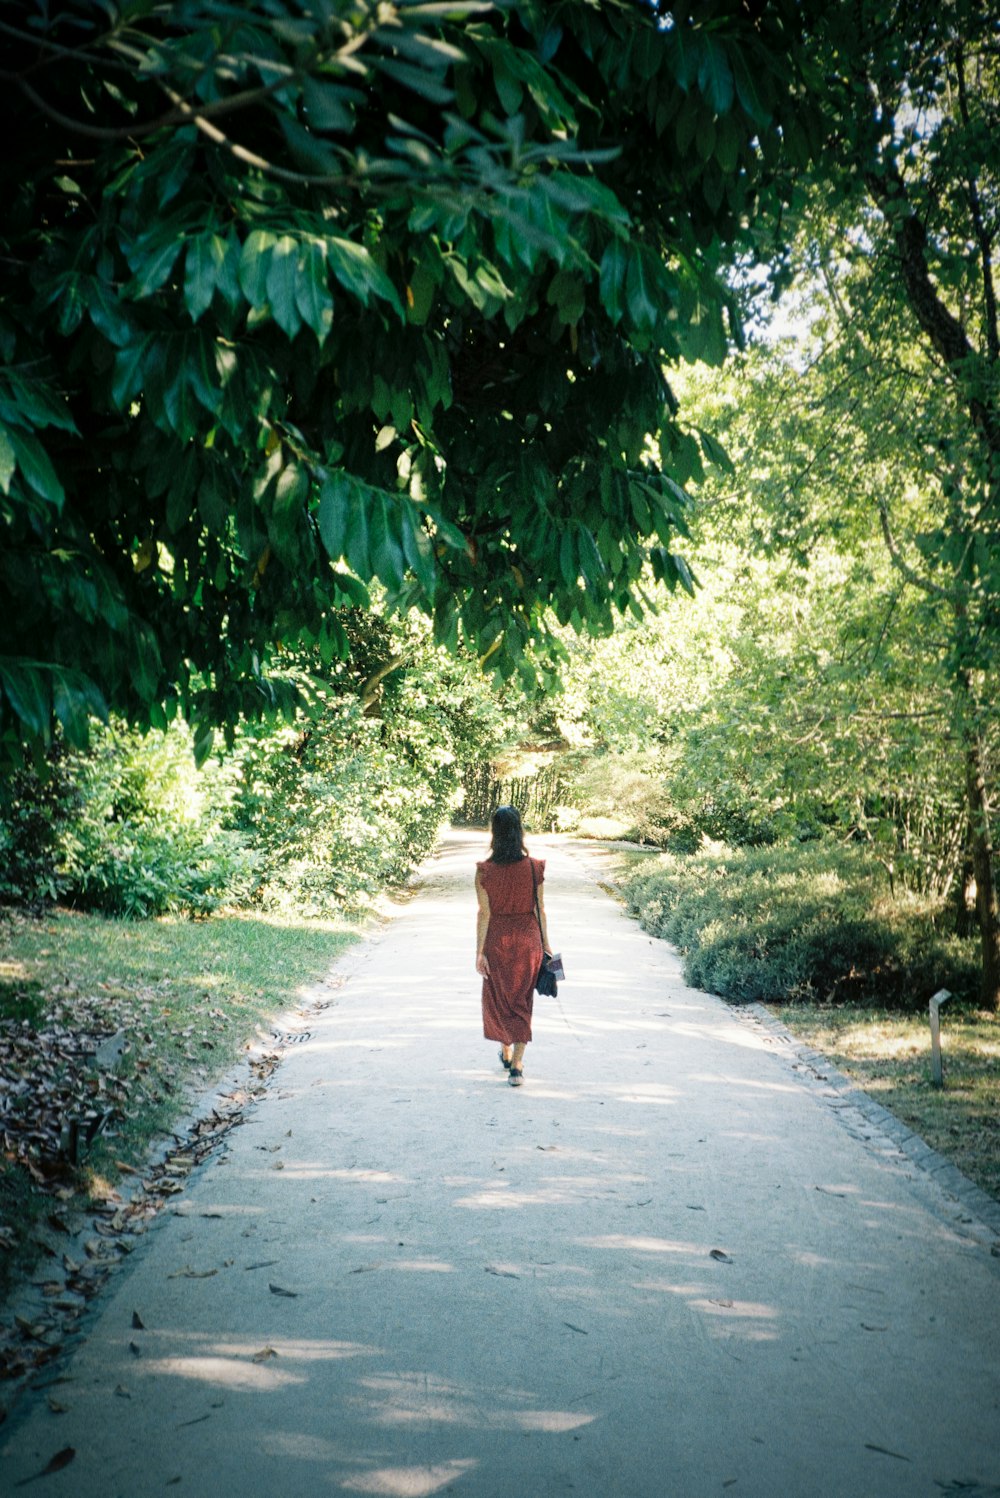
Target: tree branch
[[925, 584]]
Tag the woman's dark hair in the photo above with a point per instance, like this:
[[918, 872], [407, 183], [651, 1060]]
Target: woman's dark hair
[[507, 835]]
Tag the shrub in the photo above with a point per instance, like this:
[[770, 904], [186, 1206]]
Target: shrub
[[799, 923], [129, 828]]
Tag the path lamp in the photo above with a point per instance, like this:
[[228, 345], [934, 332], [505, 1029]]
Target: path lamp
[[937, 1074]]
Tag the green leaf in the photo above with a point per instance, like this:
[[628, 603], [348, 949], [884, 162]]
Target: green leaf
[[420, 294], [358, 273], [414, 78], [747, 90], [36, 467], [107, 313], [334, 507], [151, 261], [253, 266], [715, 452], [640, 290], [715, 76], [202, 740], [282, 284], [8, 461], [356, 546], [566, 294], [418, 549], [614, 266], [312, 291], [568, 565], [28, 689], [727, 143], [73, 701], [384, 545], [329, 106], [203, 263], [126, 382]]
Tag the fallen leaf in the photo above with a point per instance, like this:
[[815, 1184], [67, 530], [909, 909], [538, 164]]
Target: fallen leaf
[[580, 1329], [277, 1290], [263, 1264], [122, 1392], [504, 1274], [137, 1322], [884, 1451], [187, 1273], [720, 1256], [135, 1349], [263, 1355], [59, 1461], [56, 1407]]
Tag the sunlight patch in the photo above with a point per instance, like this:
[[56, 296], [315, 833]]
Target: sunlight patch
[[410, 1482]]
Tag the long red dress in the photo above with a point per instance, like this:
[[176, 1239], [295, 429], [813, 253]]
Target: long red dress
[[513, 948]]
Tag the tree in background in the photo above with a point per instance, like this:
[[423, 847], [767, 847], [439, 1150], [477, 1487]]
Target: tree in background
[[903, 222], [300, 295]]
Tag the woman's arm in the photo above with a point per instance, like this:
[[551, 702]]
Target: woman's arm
[[544, 923], [482, 924]]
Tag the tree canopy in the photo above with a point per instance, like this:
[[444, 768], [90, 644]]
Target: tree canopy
[[298, 297]]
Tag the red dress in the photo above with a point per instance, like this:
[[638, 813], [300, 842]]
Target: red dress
[[513, 948]]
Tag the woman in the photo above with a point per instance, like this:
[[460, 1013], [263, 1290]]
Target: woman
[[508, 942]]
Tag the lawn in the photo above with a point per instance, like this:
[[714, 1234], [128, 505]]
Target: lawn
[[114, 1024], [888, 1055]]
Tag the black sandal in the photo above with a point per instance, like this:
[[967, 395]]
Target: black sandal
[[505, 1061], [516, 1077]]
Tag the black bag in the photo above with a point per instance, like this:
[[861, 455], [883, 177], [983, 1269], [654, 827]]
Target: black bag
[[545, 981]]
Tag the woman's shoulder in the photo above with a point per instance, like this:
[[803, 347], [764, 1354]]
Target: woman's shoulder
[[538, 864]]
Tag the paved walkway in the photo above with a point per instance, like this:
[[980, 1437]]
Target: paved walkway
[[661, 1269]]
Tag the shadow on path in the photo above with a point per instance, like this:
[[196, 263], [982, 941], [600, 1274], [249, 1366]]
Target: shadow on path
[[660, 1268]]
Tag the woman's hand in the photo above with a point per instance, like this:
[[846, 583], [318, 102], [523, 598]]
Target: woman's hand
[[483, 965]]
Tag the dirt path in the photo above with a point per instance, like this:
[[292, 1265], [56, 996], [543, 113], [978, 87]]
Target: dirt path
[[661, 1269]]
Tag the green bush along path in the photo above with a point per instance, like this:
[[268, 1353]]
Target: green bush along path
[[674, 1262]]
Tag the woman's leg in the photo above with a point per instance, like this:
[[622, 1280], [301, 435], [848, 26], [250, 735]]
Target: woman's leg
[[517, 1062]]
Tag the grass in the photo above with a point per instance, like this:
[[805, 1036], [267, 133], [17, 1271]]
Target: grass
[[888, 1055], [188, 996]]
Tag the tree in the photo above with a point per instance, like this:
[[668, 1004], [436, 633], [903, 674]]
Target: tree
[[905, 217], [301, 294]]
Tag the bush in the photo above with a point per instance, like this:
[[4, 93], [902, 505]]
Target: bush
[[799, 923], [129, 828], [345, 808]]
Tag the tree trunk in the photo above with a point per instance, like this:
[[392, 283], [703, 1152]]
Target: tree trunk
[[987, 908]]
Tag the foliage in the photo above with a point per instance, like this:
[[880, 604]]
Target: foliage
[[903, 223], [349, 804], [298, 296], [812, 923], [130, 828]]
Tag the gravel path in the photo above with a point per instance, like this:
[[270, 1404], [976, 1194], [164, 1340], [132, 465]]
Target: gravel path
[[678, 1262]]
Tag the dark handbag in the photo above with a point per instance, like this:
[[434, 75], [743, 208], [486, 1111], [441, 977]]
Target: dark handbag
[[545, 979]]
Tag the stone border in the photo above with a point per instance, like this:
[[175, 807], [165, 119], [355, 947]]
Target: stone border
[[868, 1121], [885, 1133]]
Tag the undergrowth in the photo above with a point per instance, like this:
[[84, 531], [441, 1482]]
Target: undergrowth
[[810, 923]]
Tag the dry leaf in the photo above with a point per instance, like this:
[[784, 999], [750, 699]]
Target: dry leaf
[[137, 1322], [277, 1290], [263, 1355], [56, 1407], [720, 1256], [59, 1461]]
